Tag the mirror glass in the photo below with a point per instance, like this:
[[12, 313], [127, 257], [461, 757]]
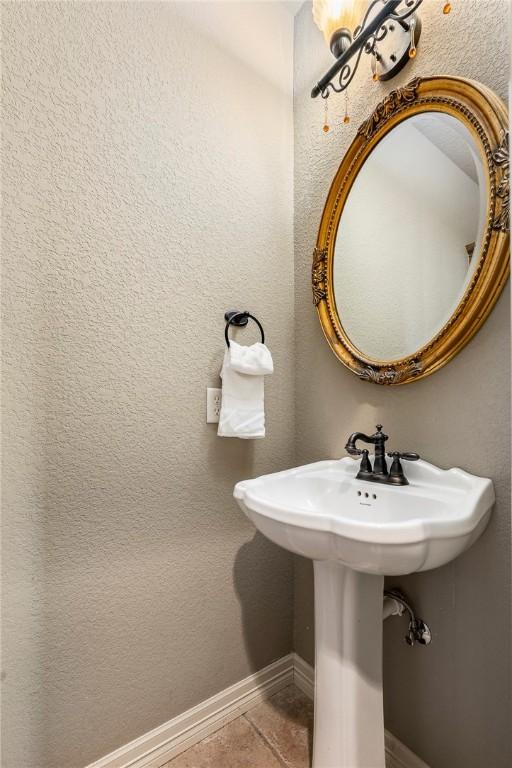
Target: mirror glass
[[409, 236]]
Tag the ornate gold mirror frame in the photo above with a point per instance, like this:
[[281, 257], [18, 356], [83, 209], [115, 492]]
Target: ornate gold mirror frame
[[485, 116]]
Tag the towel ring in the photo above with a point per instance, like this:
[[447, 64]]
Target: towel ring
[[232, 320]]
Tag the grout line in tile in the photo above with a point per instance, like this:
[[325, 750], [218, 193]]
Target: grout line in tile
[[220, 727], [262, 736]]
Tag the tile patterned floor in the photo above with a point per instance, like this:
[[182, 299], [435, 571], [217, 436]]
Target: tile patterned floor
[[275, 734]]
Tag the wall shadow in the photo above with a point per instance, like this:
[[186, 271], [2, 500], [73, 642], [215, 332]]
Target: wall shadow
[[263, 580]]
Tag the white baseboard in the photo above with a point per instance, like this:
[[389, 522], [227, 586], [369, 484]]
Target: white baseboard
[[303, 676], [156, 747], [400, 756]]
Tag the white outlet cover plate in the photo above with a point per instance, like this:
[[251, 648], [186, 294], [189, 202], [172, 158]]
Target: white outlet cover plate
[[213, 403]]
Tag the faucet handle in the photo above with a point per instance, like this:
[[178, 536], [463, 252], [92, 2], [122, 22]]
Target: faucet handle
[[366, 467], [407, 456], [396, 473]]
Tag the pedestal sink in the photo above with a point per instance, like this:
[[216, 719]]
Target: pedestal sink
[[356, 532]]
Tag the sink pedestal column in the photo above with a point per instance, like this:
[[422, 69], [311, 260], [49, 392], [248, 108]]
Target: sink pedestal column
[[349, 719]]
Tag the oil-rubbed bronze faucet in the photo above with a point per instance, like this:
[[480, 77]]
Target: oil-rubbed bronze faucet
[[379, 473]]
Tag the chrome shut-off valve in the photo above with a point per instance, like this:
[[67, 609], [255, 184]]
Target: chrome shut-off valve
[[418, 630]]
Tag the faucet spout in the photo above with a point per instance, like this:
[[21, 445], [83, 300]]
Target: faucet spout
[[351, 447]]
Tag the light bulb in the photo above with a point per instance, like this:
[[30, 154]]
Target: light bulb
[[332, 15]]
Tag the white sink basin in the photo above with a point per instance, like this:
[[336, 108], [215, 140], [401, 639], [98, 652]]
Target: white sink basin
[[322, 512], [357, 531]]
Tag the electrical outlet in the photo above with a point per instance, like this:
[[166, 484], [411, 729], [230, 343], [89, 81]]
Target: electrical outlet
[[213, 401]]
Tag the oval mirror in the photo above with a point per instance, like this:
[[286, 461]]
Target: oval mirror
[[412, 251]]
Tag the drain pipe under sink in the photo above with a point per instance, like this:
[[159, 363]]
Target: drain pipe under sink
[[391, 607]]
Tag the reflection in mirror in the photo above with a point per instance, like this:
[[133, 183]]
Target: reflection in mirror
[[409, 236]]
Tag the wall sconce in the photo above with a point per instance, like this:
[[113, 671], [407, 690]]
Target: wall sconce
[[386, 30]]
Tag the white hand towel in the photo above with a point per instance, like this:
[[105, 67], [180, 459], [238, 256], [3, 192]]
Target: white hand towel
[[242, 412]]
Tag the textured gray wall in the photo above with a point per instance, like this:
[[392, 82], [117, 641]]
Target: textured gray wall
[[450, 702], [146, 189]]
